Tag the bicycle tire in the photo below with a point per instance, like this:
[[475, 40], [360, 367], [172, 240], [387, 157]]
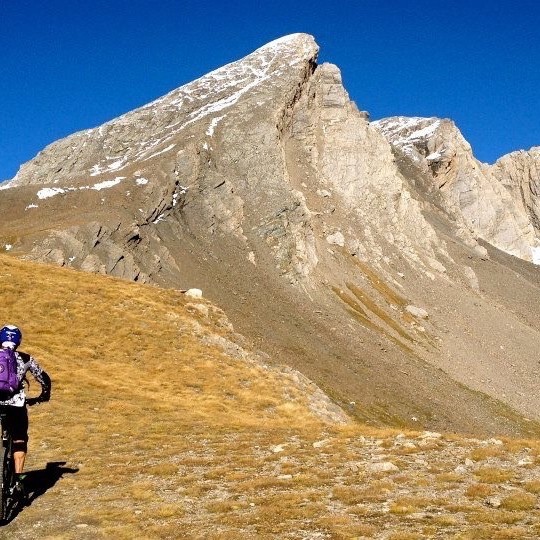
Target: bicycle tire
[[7, 474]]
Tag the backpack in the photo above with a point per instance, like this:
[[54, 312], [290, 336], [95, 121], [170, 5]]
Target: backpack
[[9, 381]]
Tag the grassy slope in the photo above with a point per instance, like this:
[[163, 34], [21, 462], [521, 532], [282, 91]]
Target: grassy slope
[[165, 436]]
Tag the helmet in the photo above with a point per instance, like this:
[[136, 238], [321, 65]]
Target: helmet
[[10, 336]]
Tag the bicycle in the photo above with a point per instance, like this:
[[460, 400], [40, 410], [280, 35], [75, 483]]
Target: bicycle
[[11, 495]]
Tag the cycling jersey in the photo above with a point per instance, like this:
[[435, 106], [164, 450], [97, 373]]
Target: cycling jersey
[[26, 363]]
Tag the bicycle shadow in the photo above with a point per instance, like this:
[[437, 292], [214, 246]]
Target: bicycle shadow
[[38, 482]]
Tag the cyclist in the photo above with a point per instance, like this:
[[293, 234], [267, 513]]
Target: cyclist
[[15, 406]]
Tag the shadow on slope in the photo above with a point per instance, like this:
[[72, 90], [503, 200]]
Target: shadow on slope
[[39, 481]]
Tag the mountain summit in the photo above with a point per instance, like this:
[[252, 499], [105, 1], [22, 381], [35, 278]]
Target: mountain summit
[[380, 259]]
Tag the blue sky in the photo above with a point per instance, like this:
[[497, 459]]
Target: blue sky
[[69, 65]]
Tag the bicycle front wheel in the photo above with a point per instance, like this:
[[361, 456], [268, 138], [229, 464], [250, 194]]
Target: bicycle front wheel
[[7, 474]]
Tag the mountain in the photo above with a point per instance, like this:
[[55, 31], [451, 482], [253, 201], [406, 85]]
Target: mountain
[[379, 259]]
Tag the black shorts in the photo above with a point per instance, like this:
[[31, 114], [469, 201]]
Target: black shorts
[[16, 422]]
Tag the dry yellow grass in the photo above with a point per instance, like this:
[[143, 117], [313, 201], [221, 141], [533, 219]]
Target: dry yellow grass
[[485, 452], [519, 500], [533, 486], [166, 436], [449, 477], [404, 535], [408, 505], [494, 475], [500, 517], [479, 491]]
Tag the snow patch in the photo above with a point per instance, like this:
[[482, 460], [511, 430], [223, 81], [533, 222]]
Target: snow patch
[[228, 101], [116, 165], [111, 167], [424, 132], [170, 147], [46, 193], [107, 183], [141, 181], [404, 130], [535, 252], [213, 125]]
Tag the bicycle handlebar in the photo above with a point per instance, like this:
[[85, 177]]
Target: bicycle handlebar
[[34, 401]]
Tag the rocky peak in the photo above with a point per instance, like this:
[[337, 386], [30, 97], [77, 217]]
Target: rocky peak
[[153, 129], [470, 190], [351, 162], [242, 151], [425, 140]]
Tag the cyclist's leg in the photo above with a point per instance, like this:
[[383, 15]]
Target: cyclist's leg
[[18, 425], [19, 455]]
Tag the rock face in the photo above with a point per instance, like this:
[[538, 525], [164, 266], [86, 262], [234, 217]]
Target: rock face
[[519, 173], [332, 149], [473, 191], [352, 251]]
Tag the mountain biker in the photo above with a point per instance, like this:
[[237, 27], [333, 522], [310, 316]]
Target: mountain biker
[[15, 406]]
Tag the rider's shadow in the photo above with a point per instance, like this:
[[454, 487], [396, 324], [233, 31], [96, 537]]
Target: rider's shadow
[[36, 483]]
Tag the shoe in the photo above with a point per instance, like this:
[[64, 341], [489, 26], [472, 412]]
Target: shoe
[[18, 490], [21, 477]]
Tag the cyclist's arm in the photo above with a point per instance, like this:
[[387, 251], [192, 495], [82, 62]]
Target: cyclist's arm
[[42, 378]]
